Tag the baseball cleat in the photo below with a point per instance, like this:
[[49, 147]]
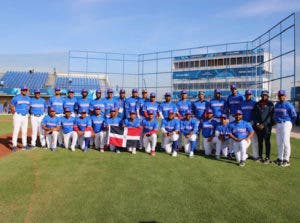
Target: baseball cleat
[[285, 163], [102, 150], [217, 157], [242, 163], [14, 149], [266, 161], [24, 148], [152, 153], [118, 151], [174, 154], [191, 155]]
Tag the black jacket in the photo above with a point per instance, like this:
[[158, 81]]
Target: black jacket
[[263, 114]]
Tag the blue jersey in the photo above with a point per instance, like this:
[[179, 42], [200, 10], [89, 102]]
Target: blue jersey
[[83, 123], [116, 121], [67, 124], [121, 107], [170, 125], [109, 104], [234, 103], [140, 105], [133, 124], [131, 104], [165, 107], [99, 103], [247, 109], [240, 129], [187, 126], [183, 107], [148, 106], [97, 123], [70, 103], [199, 108], [285, 111], [208, 128], [149, 125], [223, 130], [38, 106], [21, 104], [57, 104], [83, 104], [49, 122], [218, 106]]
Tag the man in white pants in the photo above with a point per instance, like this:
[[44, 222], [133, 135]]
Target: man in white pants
[[150, 129], [170, 130], [83, 128], [38, 108], [241, 133], [20, 108], [285, 116], [222, 136], [99, 130], [67, 127], [51, 126]]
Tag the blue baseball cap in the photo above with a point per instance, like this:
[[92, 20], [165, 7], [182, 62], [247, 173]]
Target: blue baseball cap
[[144, 91], [24, 88], [97, 108], [113, 110], [37, 91], [57, 88], [167, 94], [201, 92], [98, 91], [281, 92], [110, 90], [217, 91], [209, 110], [223, 116], [152, 95], [171, 111], [132, 112], [70, 91], [122, 91], [248, 92], [52, 109], [233, 86], [188, 112], [238, 112], [67, 109], [84, 90], [135, 90], [83, 111], [183, 92], [150, 112]]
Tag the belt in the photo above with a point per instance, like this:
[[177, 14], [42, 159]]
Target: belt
[[36, 115], [21, 114], [283, 121]]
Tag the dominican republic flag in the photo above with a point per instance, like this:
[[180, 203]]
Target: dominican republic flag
[[124, 137]]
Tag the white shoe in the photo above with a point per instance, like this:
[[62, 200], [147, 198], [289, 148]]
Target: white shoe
[[191, 154], [134, 151], [174, 154], [130, 149], [73, 149]]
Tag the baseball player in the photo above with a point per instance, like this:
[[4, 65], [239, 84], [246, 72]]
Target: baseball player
[[234, 102], [222, 135], [110, 103], [113, 120], [70, 101], [20, 108], [83, 128], [99, 130], [218, 105], [141, 102], [285, 117], [121, 104], [170, 128], [98, 102], [241, 132], [83, 103], [131, 104], [189, 129], [67, 123], [150, 129], [247, 107], [183, 105], [263, 120], [207, 127], [132, 122], [151, 105], [38, 108], [51, 126]]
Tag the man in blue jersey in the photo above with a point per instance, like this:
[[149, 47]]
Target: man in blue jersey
[[132, 122], [183, 105], [151, 105], [222, 136], [241, 133], [141, 102], [189, 130], [38, 108], [51, 126], [285, 117], [110, 103], [99, 130], [234, 102], [83, 127], [70, 102], [121, 104], [150, 129], [67, 126], [218, 105], [20, 108], [247, 107], [83, 103], [208, 127], [170, 128], [131, 104], [98, 102]]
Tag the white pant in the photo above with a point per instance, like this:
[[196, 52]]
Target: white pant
[[60, 135], [149, 142], [20, 121], [81, 140], [222, 146], [283, 133], [240, 149], [36, 124], [209, 146], [71, 135], [51, 140], [186, 141], [168, 140], [100, 140]]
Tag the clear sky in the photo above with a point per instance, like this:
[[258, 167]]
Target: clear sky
[[133, 26]]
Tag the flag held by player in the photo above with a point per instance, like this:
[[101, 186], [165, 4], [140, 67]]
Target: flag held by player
[[124, 137]]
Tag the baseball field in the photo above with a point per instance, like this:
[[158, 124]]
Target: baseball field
[[61, 186]]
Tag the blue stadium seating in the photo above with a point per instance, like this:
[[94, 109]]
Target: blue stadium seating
[[33, 80], [77, 83]]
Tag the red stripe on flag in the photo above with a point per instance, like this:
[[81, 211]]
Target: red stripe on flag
[[133, 131], [115, 141]]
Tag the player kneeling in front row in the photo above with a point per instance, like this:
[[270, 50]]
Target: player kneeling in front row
[[241, 133], [67, 127], [170, 130], [132, 122], [189, 129], [222, 135], [84, 130], [99, 129], [51, 126], [150, 129]]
